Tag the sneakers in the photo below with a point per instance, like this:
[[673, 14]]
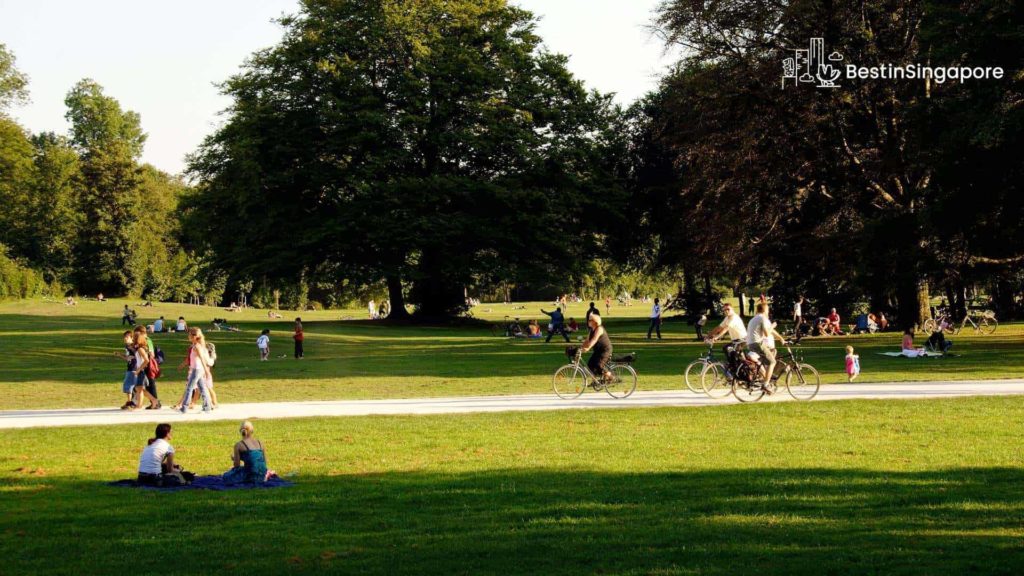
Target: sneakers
[[128, 405]]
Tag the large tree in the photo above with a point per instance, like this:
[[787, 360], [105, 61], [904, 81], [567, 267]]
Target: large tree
[[831, 185], [426, 142], [109, 141]]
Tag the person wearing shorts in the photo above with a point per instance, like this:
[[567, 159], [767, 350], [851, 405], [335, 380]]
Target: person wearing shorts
[[761, 337]]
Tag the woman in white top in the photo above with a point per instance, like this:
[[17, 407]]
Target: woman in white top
[[198, 370], [157, 458]]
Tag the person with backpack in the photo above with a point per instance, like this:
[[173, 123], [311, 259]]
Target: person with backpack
[[147, 370], [199, 370]]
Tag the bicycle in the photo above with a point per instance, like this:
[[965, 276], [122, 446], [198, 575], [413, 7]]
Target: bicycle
[[696, 368], [986, 322], [509, 329], [572, 380], [747, 384]]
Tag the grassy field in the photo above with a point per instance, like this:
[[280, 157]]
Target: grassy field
[[860, 487], [54, 356]]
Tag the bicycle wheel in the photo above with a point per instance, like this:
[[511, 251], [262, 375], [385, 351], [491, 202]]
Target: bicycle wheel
[[623, 381], [714, 382], [929, 326], [988, 325], [692, 376], [751, 393], [803, 382], [569, 382]]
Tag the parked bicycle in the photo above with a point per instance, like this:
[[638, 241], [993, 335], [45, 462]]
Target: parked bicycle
[[742, 376], [508, 329], [983, 322], [573, 379]]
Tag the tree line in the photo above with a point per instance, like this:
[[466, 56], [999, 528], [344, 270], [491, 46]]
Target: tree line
[[430, 150]]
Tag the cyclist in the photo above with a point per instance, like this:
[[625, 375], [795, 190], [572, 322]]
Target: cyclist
[[733, 325], [761, 335], [601, 345]]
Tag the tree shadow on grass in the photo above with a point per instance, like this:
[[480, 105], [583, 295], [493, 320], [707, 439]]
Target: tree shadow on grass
[[765, 521]]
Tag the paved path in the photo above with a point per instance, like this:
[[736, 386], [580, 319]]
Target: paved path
[[457, 405]]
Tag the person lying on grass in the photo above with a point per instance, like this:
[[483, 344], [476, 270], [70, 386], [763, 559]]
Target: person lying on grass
[[249, 459]]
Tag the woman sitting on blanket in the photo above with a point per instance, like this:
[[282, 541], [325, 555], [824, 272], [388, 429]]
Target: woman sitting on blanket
[[249, 458], [156, 463], [908, 345]]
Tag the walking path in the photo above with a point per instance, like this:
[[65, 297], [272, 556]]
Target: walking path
[[459, 405]]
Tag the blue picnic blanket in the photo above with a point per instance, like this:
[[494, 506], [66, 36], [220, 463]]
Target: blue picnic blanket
[[206, 483]]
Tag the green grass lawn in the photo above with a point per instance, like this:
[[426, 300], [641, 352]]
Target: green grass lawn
[[53, 356], [859, 487]]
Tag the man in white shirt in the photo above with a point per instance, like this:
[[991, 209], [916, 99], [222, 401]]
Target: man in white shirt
[[761, 337], [798, 315], [732, 323], [655, 320]]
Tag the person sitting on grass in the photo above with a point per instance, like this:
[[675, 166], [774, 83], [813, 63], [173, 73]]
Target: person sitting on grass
[[158, 325], [156, 463], [908, 349], [249, 459], [573, 326], [937, 341], [181, 326], [533, 330], [833, 326]]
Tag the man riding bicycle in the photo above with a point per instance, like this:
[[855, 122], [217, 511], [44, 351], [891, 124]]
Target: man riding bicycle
[[732, 323], [761, 335], [601, 345]]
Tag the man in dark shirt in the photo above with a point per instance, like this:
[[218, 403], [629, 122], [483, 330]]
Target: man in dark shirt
[[557, 324]]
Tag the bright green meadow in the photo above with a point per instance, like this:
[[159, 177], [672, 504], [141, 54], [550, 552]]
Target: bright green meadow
[[56, 356], [852, 487]]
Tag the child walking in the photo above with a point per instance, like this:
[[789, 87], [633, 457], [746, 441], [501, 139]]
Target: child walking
[[298, 337], [852, 364], [263, 343]]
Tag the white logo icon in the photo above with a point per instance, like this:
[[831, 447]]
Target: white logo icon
[[812, 67]]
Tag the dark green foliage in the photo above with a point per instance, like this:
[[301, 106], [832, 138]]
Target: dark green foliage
[[427, 142]]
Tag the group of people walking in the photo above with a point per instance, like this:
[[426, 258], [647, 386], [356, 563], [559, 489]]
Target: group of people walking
[[143, 369]]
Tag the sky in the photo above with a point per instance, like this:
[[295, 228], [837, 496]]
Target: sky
[[164, 59]]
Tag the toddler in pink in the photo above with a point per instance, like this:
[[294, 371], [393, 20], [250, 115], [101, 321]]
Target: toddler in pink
[[852, 364]]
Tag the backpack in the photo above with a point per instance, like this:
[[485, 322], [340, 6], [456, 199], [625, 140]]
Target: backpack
[[212, 350], [159, 355], [153, 368]]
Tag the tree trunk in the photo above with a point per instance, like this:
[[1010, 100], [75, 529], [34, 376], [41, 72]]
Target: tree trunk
[[709, 296], [398, 311], [914, 303]]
